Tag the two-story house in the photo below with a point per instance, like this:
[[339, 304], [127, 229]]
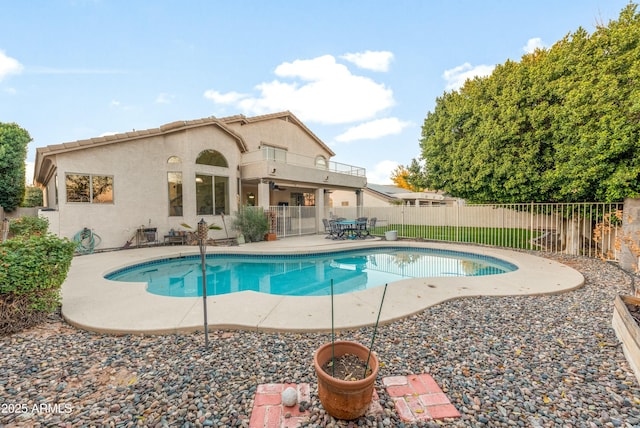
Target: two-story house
[[186, 171]]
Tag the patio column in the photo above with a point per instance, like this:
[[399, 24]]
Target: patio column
[[359, 201], [320, 200], [263, 195]]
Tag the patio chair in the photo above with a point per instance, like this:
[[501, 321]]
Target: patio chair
[[327, 228], [336, 230], [372, 224], [361, 226]]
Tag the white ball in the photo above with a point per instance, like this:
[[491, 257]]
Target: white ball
[[289, 397]]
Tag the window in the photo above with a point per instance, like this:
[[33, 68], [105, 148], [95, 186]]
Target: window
[[274, 153], [211, 157], [211, 194], [221, 191], [174, 180], [174, 159], [303, 199], [88, 188], [321, 162], [204, 194]]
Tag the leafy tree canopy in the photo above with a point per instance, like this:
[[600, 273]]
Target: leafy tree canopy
[[561, 125], [13, 153]]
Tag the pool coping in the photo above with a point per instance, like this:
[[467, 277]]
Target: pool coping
[[91, 302]]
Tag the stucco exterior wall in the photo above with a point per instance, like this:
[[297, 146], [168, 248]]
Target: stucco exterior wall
[[140, 197], [279, 133]]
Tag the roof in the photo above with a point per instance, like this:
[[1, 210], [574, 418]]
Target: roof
[[390, 191], [44, 167]]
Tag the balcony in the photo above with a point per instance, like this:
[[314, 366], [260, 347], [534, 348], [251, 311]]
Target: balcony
[[284, 165]]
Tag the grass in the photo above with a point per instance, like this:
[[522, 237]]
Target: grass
[[510, 238]]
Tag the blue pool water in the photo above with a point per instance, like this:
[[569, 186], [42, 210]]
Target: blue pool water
[[305, 274]]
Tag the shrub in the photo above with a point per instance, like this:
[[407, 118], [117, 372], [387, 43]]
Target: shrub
[[252, 223], [28, 225], [32, 270]]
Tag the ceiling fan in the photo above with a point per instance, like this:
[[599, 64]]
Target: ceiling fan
[[273, 186]]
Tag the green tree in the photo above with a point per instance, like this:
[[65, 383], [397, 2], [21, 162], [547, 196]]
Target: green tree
[[560, 125], [13, 153], [32, 197]]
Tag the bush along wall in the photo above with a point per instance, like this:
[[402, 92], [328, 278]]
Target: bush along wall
[[32, 270]]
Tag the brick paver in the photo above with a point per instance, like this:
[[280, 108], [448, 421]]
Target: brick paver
[[416, 398], [419, 398]]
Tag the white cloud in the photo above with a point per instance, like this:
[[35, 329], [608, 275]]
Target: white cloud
[[228, 98], [375, 129], [318, 90], [376, 61], [533, 44], [9, 66], [381, 173], [456, 76]]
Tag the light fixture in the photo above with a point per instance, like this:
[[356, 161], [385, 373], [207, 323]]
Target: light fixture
[[273, 171], [326, 178]]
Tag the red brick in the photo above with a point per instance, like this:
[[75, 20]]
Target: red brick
[[267, 399], [432, 386], [443, 411], [417, 408], [434, 399], [394, 380], [269, 388], [416, 383], [257, 417], [399, 390], [403, 410], [274, 413]]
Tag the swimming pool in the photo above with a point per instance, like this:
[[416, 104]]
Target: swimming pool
[[305, 274]]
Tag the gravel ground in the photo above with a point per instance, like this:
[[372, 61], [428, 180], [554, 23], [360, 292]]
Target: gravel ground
[[544, 361]]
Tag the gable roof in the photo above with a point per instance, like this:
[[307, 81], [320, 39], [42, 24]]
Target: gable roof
[[284, 115]]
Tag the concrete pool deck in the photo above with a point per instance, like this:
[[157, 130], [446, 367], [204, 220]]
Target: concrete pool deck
[[91, 302]]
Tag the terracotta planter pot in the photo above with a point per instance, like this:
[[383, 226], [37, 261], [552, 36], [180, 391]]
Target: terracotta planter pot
[[627, 331], [340, 398]]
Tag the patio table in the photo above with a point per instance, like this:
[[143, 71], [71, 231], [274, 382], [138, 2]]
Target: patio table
[[352, 229]]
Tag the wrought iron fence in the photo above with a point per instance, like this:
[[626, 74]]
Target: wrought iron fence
[[294, 220], [588, 229]]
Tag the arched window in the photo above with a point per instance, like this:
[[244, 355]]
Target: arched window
[[174, 159], [321, 162], [212, 157]]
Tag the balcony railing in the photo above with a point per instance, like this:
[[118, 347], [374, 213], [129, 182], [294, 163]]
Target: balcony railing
[[267, 154]]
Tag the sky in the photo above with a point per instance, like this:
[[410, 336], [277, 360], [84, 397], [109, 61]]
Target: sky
[[362, 75]]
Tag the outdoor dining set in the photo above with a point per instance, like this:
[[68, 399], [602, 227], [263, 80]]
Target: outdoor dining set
[[342, 228]]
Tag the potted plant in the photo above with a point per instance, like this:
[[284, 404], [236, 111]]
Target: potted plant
[[345, 380], [252, 223], [346, 372]]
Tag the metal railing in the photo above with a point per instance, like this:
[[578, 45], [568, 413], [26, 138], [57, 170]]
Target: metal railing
[[588, 229], [289, 158], [294, 221]]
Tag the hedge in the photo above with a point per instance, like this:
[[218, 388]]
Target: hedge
[[32, 270]]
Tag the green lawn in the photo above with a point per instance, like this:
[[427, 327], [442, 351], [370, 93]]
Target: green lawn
[[511, 238]]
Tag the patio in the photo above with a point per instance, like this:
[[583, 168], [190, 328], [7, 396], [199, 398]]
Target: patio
[[93, 303]]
